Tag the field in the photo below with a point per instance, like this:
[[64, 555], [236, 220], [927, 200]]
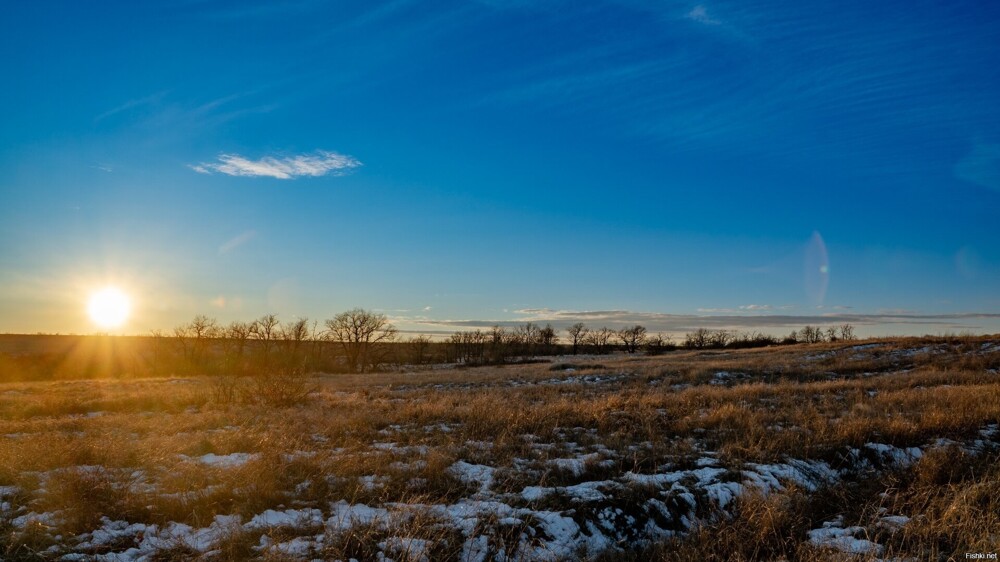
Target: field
[[881, 449]]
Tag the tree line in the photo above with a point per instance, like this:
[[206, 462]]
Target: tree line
[[357, 341]]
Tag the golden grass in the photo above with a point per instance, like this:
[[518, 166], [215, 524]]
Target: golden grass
[[140, 441]]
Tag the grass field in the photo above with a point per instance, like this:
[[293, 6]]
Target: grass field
[[883, 449]]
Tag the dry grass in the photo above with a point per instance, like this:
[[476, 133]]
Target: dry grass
[[134, 450]]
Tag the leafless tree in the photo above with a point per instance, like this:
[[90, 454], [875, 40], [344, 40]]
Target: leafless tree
[[362, 335], [600, 339], [657, 344], [194, 337], [293, 336], [632, 337], [721, 338], [417, 349], [577, 334], [793, 337], [236, 335], [266, 329], [810, 334], [547, 339], [831, 334], [697, 339], [847, 332]]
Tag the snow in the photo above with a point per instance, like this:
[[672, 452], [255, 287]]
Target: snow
[[409, 549], [893, 522], [299, 547], [288, 518], [535, 493], [808, 474], [373, 481], [473, 474], [46, 519], [232, 460], [684, 498], [110, 532], [476, 549], [722, 493], [833, 536], [703, 476], [578, 465], [345, 516], [401, 449], [895, 455], [583, 492]]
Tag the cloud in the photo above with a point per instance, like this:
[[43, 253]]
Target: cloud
[[237, 241], [133, 104], [675, 323], [700, 14], [746, 308], [319, 163], [981, 166]]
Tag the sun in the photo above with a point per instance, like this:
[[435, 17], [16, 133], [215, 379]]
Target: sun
[[109, 307]]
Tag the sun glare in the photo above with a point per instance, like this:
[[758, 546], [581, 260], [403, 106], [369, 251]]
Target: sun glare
[[109, 307]]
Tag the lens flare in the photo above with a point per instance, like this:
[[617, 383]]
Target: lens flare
[[817, 270]]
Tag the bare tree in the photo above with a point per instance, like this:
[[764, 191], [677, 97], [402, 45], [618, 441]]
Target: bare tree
[[526, 339], [657, 344], [417, 349], [194, 337], [810, 334], [632, 337], [361, 334], [793, 337], [294, 334], [721, 338], [831, 334], [697, 339], [600, 339], [237, 334], [266, 329], [577, 334], [847, 332], [547, 338]]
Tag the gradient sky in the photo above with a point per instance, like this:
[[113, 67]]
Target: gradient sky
[[452, 164]]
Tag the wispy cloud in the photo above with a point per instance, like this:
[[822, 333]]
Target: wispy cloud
[[150, 100], [319, 163], [751, 308], [700, 14], [237, 241], [981, 166]]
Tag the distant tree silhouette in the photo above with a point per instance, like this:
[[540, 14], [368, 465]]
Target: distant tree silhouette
[[600, 339], [632, 337], [697, 339], [547, 339], [847, 332], [362, 335], [577, 335]]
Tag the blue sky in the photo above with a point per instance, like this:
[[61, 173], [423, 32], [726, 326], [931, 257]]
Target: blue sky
[[454, 164]]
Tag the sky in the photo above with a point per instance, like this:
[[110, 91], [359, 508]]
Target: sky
[[742, 165]]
